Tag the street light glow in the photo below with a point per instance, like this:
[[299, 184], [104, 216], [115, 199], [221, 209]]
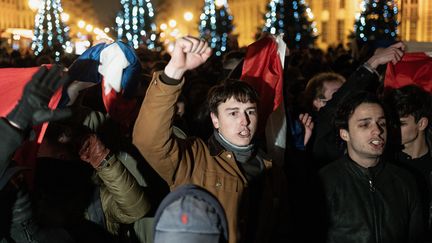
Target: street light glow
[[188, 16], [106, 30], [34, 4], [172, 23], [89, 27], [81, 24], [163, 26], [220, 3]]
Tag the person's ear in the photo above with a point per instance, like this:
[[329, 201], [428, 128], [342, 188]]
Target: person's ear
[[423, 123], [343, 133], [215, 120]]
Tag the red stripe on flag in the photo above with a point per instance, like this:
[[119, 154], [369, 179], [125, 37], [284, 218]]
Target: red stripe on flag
[[263, 70], [414, 68], [12, 82]]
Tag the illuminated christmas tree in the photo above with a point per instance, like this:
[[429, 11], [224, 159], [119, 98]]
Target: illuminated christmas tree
[[294, 19], [216, 25], [51, 35], [377, 22], [135, 24]]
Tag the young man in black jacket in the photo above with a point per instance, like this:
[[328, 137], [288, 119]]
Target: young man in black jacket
[[412, 106], [368, 199], [365, 78]]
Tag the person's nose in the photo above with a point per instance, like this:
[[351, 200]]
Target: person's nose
[[377, 129], [245, 120]]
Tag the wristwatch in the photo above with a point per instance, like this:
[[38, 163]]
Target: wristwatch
[[107, 161]]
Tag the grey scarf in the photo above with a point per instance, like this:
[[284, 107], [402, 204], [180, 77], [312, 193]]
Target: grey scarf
[[241, 153]]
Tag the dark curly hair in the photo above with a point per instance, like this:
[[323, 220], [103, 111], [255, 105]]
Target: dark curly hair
[[410, 100], [348, 105]]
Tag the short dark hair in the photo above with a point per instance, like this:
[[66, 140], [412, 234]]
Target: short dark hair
[[410, 100], [241, 91], [348, 105]]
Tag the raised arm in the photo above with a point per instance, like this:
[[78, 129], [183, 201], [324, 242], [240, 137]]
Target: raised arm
[[32, 109], [364, 78], [123, 200], [152, 133]]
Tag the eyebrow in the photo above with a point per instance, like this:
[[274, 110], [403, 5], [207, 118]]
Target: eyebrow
[[236, 108], [232, 109], [370, 118]]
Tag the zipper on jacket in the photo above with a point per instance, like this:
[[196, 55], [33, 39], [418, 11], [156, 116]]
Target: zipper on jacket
[[371, 185], [374, 211]]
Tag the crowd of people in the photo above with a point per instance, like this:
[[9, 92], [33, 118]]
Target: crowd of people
[[192, 164]]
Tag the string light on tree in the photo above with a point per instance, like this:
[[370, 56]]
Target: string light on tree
[[51, 34], [188, 16], [135, 24], [377, 22], [216, 25], [293, 18]]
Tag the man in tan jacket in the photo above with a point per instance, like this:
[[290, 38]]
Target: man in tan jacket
[[229, 165]]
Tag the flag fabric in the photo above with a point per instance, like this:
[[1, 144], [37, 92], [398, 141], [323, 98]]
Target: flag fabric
[[12, 83], [263, 70], [117, 68], [414, 68]]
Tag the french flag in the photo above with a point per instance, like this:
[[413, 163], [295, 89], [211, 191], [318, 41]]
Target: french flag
[[263, 69], [118, 69], [114, 65]]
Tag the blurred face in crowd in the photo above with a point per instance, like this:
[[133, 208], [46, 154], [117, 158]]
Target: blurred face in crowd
[[366, 135], [54, 150], [236, 121], [329, 88], [410, 129]]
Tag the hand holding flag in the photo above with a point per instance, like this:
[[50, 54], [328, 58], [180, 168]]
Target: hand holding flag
[[32, 109]]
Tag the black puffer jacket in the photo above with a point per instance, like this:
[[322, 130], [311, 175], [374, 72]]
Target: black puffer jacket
[[375, 205]]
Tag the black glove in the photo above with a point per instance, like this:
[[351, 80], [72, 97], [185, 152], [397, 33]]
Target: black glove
[[32, 109]]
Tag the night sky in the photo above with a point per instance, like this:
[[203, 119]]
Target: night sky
[[106, 10]]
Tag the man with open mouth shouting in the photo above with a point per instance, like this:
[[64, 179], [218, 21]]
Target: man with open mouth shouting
[[249, 187], [368, 199]]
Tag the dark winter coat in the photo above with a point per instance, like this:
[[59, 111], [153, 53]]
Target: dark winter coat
[[379, 204]]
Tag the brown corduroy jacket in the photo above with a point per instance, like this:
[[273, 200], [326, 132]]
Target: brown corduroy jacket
[[183, 161]]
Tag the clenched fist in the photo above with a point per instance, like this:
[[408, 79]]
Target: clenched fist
[[93, 151]]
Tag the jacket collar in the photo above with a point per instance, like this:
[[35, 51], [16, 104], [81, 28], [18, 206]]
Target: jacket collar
[[214, 146], [216, 149], [370, 173]]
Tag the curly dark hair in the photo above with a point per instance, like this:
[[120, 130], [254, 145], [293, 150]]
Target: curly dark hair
[[348, 105], [410, 100]]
